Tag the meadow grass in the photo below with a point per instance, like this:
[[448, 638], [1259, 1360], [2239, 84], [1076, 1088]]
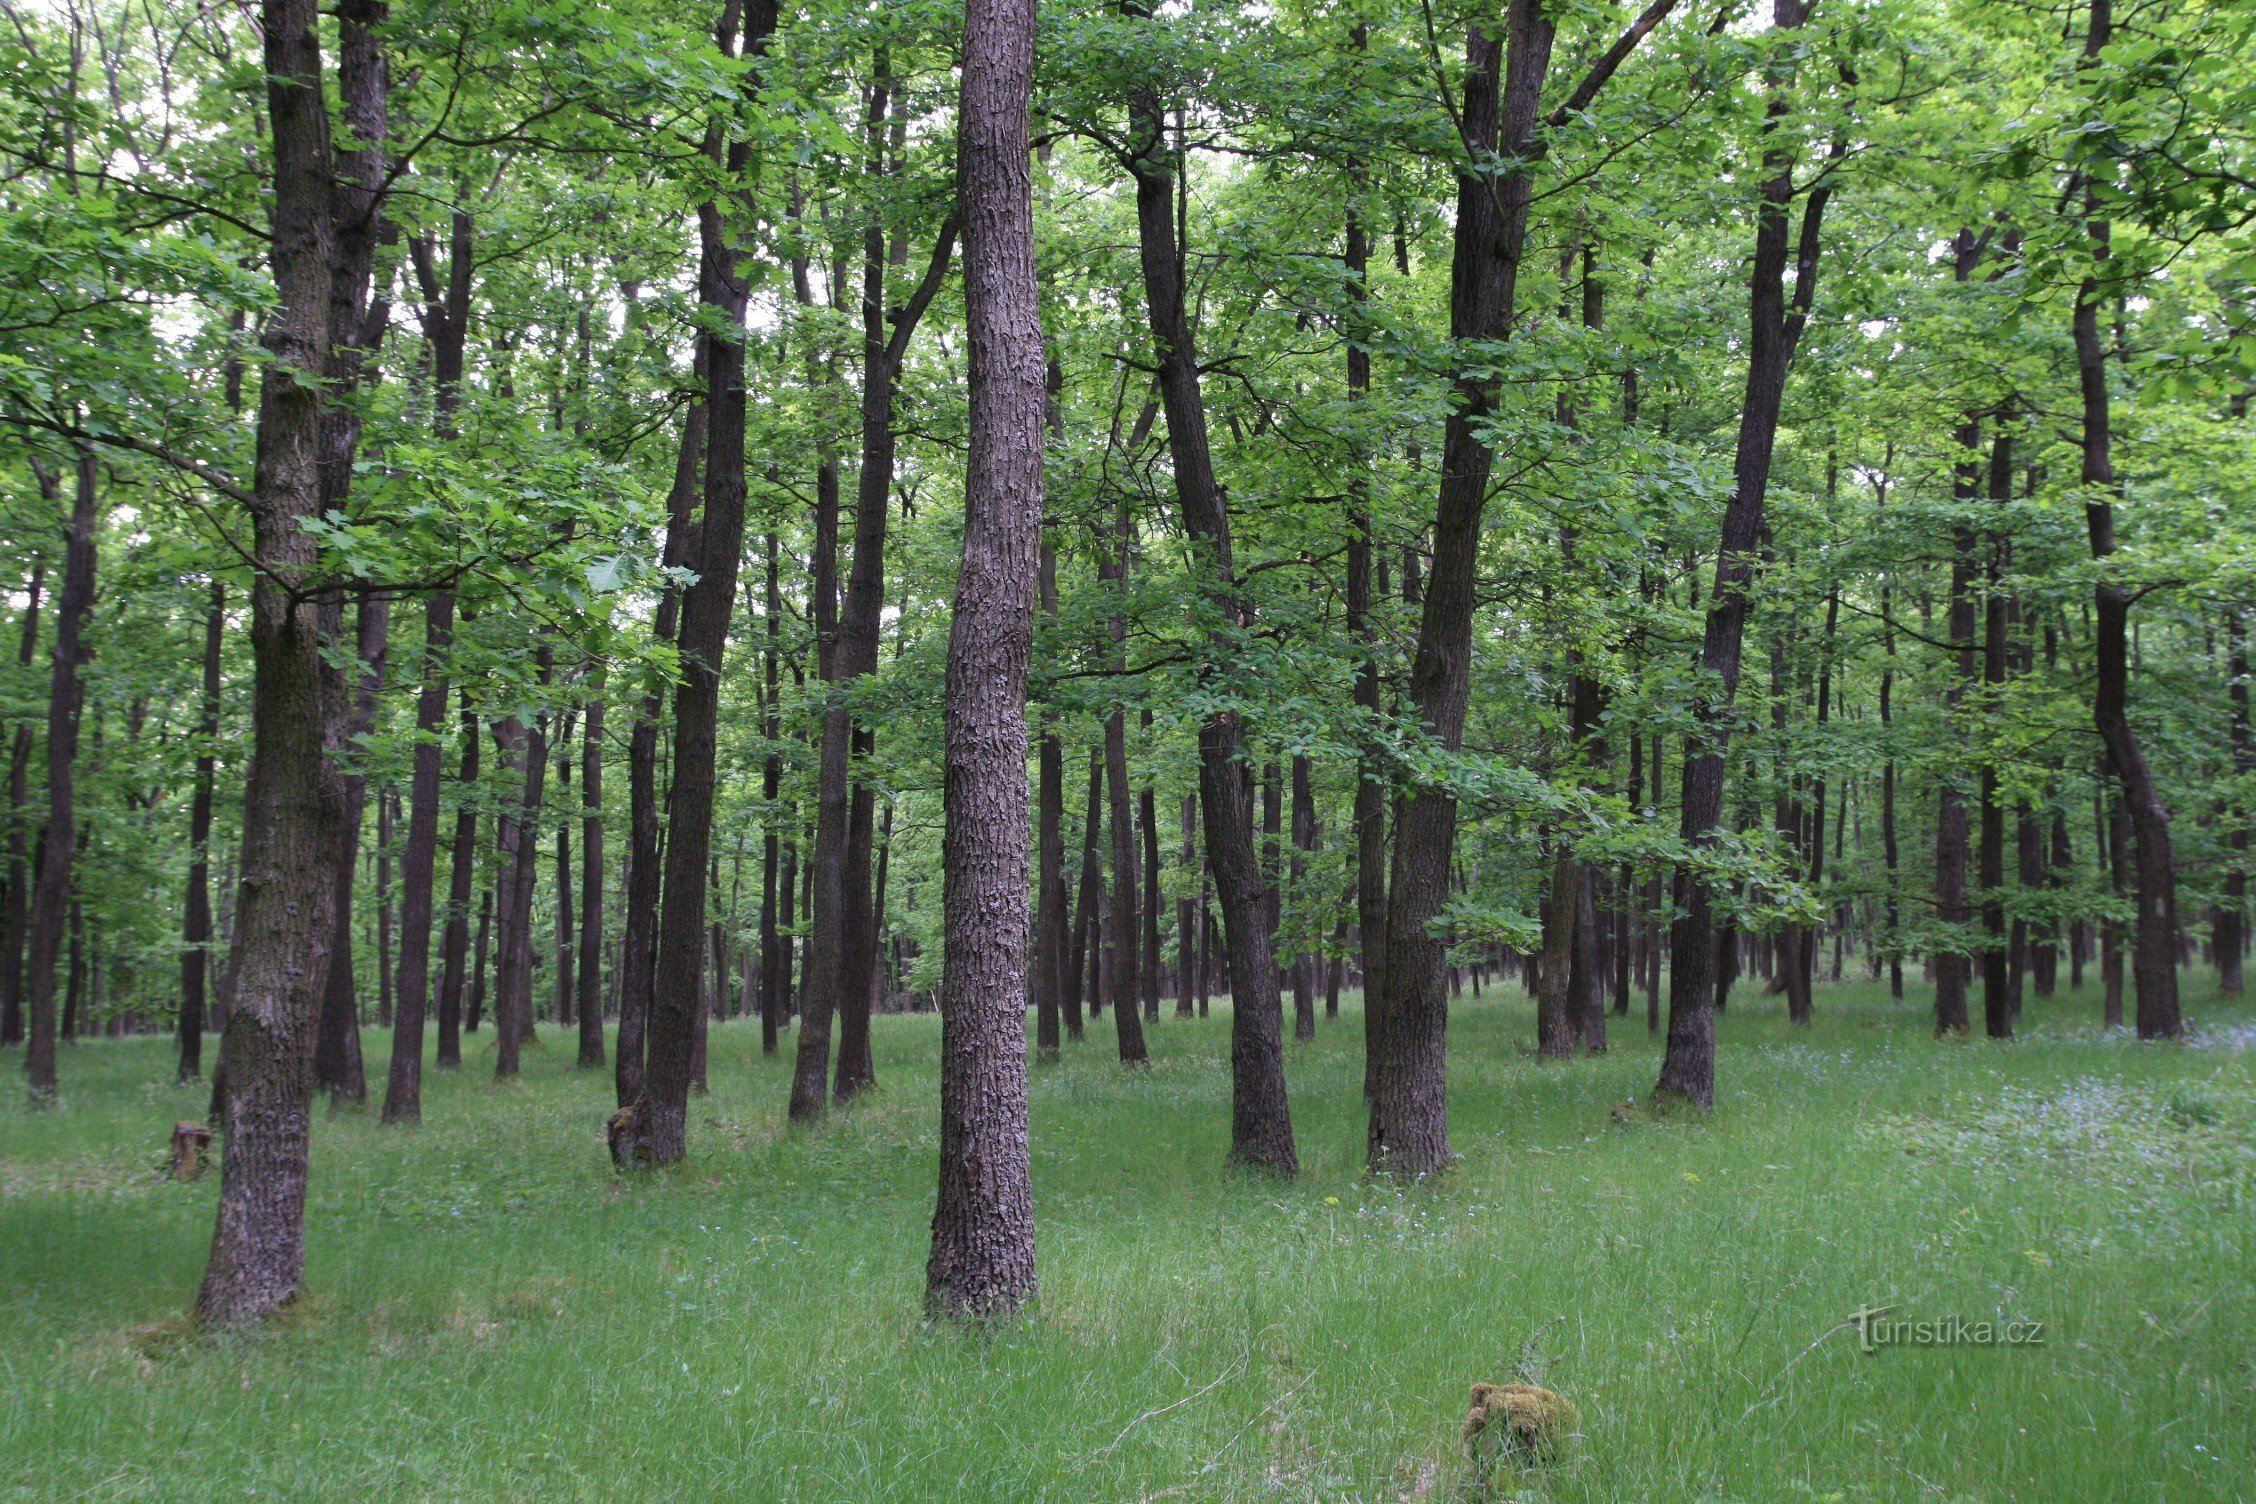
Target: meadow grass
[[493, 1314]]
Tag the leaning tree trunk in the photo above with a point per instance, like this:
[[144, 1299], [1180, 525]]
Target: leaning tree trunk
[[657, 1122], [1688, 1067], [638, 946], [982, 1261], [1409, 1115], [2154, 944], [1260, 1116], [51, 897]]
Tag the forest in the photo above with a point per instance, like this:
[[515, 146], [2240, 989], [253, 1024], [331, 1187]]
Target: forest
[[962, 749]]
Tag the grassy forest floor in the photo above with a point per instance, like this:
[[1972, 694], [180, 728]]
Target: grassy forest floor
[[495, 1315]]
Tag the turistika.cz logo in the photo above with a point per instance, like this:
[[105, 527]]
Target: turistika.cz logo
[[1877, 1327]]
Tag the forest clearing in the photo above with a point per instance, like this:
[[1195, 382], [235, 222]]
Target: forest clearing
[[498, 1316]]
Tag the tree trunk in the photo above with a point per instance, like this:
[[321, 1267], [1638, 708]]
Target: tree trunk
[[1775, 326], [52, 896], [293, 806], [337, 1061], [658, 1133], [774, 965], [16, 914], [461, 877], [196, 935], [1049, 985], [591, 876], [403, 1092], [1260, 1118], [2154, 952], [1409, 1117], [2232, 908], [982, 1262], [1085, 910]]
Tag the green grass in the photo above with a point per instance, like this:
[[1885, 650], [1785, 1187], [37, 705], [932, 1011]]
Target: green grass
[[493, 1315]]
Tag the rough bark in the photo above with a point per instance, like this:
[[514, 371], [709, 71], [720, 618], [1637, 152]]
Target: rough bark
[[292, 807], [982, 1262]]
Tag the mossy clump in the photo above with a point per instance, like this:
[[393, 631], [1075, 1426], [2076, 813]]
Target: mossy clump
[[1518, 1423]]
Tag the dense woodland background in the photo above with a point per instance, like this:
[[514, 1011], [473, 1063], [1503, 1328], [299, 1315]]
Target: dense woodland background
[[1624, 502]]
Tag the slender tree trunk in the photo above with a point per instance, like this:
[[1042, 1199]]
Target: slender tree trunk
[[337, 1061], [1303, 842], [1147, 825], [982, 1262], [1409, 1118], [1997, 1009], [16, 913], [638, 947], [2154, 953], [52, 897], [1775, 323], [2232, 908], [403, 1092], [1049, 984], [774, 966], [591, 876], [566, 981], [1260, 1119], [196, 935], [461, 877], [658, 1131], [1085, 910]]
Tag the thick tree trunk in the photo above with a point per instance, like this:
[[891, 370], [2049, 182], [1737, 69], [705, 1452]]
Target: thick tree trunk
[[403, 1092], [1775, 325], [1261, 1118], [1409, 1117], [982, 1262], [52, 895], [196, 932], [293, 805]]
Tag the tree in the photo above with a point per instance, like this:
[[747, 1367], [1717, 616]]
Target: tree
[[982, 1260]]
